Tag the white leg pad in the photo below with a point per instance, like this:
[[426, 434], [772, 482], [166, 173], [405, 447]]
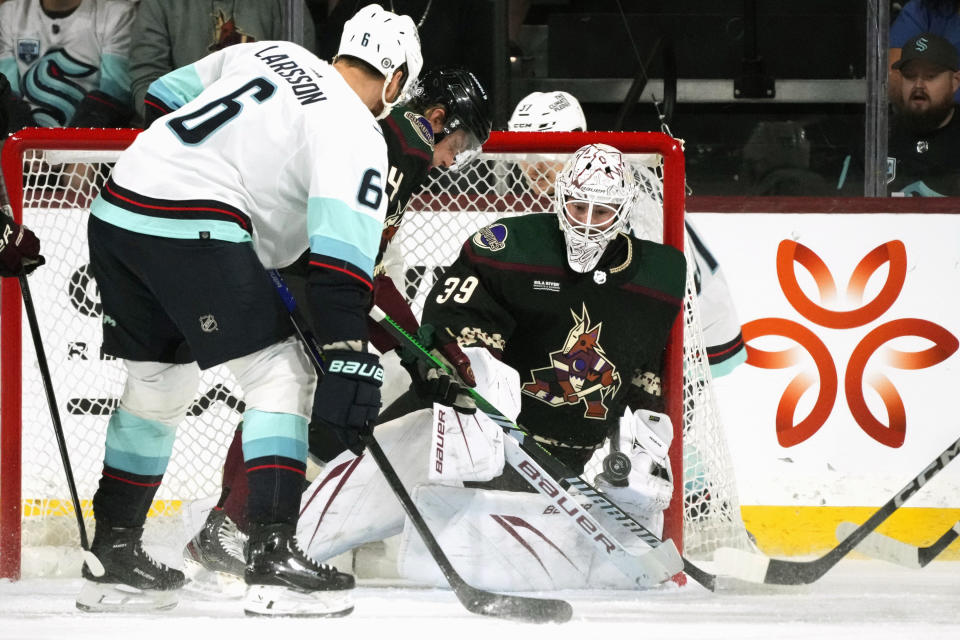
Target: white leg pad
[[278, 379], [504, 541], [159, 391], [350, 503]]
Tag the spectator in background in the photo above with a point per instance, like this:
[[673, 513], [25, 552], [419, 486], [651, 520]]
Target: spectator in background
[[169, 34], [922, 158], [925, 133], [939, 17], [776, 162], [66, 62]]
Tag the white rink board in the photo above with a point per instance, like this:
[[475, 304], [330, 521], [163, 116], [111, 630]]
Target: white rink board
[[840, 464]]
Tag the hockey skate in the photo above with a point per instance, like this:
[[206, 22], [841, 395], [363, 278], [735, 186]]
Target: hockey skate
[[123, 577], [214, 558], [283, 581]]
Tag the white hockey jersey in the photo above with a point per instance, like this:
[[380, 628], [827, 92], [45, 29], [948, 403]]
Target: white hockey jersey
[[52, 63], [267, 143], [721, 327]]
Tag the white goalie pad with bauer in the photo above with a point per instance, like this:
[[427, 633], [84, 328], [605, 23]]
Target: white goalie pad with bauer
[[350, 502], [505, 541], [470, 447]]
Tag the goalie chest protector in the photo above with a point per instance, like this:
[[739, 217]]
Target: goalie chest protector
[[578, 340]]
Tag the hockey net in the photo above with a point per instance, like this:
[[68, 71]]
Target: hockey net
[[52, 176]]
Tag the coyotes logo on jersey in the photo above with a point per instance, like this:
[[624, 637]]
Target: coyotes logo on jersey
[[580, 371]]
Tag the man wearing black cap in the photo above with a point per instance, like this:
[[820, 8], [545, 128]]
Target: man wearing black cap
[[925, 133]]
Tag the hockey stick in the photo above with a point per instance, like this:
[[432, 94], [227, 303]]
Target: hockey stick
[[609, 510], [474, 600], [96, 567], [92, 561], [756, 568], [876, 545]]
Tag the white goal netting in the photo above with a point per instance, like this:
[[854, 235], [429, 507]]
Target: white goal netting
[[58, 187]]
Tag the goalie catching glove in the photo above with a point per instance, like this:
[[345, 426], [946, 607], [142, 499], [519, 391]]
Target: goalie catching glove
[[433, 383], [19, 247], [348, 397], [644, 439]]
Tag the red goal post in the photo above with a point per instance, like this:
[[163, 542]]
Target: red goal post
[[32, 175]]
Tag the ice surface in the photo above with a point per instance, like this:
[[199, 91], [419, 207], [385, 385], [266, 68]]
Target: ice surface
[[858, 599]]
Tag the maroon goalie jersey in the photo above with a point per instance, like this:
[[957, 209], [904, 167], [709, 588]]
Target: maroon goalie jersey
[[586, 345]]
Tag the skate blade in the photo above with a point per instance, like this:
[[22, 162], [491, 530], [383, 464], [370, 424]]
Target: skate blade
[[212, 585], [100, 597], [262, 600]]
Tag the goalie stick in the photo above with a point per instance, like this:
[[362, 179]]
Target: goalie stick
[[539, 457], [474, 600], [876, 545], [756, 568]]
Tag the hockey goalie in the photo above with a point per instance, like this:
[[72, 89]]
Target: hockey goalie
[[565, 326]]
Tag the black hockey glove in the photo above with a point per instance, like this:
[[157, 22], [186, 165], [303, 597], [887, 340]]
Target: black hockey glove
[[348, 397], [433, 384], [19, 248]]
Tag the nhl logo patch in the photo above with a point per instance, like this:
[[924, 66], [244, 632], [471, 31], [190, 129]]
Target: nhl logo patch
[[28, 50], [421, 125], [208, 324], [493, 237]]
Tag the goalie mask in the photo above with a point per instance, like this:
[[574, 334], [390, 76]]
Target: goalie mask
[[594, 195], [386, 41]]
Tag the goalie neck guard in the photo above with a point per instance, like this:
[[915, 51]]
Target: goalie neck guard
[[386, 41], [594, 195], [466, 104]]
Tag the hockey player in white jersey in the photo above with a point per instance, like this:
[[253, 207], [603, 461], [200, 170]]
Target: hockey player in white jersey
[[560, 111], [67, 62], [266, 150]]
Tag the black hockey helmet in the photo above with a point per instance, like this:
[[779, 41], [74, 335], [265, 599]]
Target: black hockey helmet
[[467, 105]]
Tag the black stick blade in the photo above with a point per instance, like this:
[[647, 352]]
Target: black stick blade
[[521, 608]]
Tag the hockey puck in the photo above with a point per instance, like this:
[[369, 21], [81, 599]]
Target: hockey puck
[[616, 467]]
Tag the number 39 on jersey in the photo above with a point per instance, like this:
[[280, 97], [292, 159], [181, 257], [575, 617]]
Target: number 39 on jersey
[[460, 289]]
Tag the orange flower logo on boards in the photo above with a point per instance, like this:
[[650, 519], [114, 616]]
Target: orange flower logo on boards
[[790, 433]]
